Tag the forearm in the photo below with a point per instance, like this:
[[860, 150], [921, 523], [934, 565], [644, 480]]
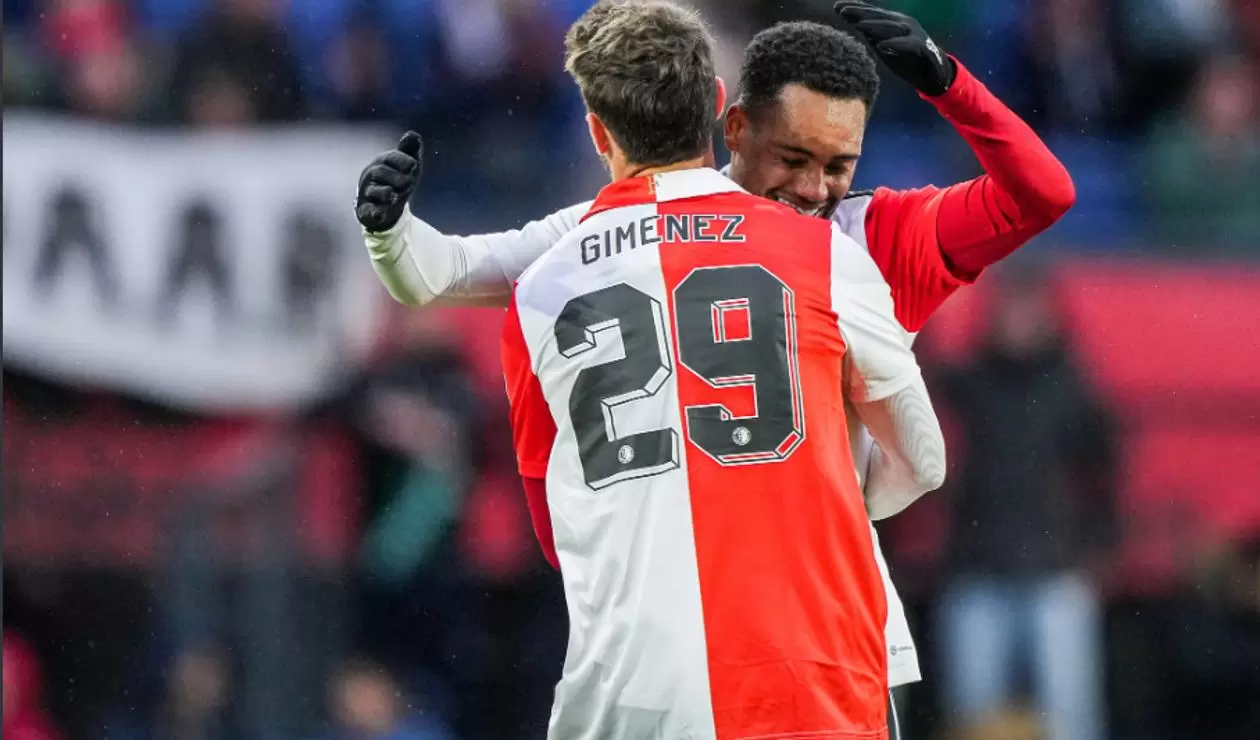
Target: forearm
[[1025, 188], [419, 265], [909, 457]]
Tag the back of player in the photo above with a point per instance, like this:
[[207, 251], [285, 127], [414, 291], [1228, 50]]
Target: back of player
[[678, 367]]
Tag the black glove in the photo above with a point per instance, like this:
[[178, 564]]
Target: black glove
[[386, 184], [901, 43]]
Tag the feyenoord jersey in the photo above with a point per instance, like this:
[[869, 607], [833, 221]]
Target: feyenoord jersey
[[678, 366]]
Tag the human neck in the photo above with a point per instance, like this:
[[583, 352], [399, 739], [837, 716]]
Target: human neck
[[633, 170]]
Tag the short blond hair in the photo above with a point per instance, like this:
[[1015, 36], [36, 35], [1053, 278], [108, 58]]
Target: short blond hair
[[646, 70]]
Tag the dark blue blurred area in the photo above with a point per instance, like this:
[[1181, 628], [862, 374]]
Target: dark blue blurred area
[[482, 79]]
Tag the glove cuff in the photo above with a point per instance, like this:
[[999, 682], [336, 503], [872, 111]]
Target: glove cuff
[[955, 72], [388, 244]]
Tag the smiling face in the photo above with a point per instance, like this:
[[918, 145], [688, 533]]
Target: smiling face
[[801, 151], [806, 91]]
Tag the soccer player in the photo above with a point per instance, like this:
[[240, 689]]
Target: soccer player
[[795, 135], [678, 366]]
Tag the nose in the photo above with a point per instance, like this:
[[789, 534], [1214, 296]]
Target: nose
[[811, 186]]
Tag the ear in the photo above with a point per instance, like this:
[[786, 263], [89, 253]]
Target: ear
[[721, 96], [599, 135], [734, 127]]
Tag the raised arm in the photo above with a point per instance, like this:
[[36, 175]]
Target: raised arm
[[419, 264], [884, 385], [930, 241]]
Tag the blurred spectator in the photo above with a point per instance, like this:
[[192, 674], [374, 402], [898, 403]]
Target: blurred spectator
[[1071, 44], [97, 58], [510, 48], [236, 68], [1204, 166], [514, 617], [1032, 516], [1163, 41], [24, 717], [1213, 674], [419, 413], [368, 704], [77, 28], [194, 702], [358, 69], [500, 67]]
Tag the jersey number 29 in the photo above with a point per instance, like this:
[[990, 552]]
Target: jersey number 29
[[734, 326]]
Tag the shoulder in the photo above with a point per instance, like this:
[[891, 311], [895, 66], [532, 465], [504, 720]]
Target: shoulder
[[567, 219], [554, 257], [576, 258], [851, 262], [551, 228]]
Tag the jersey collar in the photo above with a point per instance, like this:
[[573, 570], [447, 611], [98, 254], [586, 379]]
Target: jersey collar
[[667, 186]]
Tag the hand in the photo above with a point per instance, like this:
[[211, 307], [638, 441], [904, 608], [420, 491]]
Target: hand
[[901, 43], [386, 184]]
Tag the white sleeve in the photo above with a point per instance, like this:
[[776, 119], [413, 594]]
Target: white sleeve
[[878, 360], [419, 264], [884, 385], [908, 458]]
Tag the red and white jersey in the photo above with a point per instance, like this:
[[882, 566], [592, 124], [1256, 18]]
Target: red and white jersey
[[897, 229], [678, 366]]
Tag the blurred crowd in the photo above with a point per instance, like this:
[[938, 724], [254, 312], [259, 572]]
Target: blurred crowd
[[1153, 104], [441, 621]]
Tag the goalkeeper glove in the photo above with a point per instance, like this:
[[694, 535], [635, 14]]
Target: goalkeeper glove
[[387, 183], [900, 43]]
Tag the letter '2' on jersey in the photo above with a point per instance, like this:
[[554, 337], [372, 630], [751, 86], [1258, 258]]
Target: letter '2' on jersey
[[607, 456], [678, 367]]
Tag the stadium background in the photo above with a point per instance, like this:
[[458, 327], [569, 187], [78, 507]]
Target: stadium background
[[238, 482]]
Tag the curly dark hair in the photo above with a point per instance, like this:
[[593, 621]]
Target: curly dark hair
[[815, 56]]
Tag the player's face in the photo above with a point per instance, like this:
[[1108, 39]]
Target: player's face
[[803, 152]]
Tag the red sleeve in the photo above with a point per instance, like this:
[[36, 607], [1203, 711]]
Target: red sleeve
[[901, 234], [533, 428], [540, 515], [950, 235]]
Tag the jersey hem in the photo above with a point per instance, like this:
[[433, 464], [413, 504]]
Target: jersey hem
[[899, 681]]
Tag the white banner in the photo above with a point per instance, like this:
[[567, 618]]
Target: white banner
[[208, 271]]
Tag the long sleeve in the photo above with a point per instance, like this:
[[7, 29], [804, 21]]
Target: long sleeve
[[1024, 190], [908, 459], [930, 241], [418, 264], [884, 385]]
